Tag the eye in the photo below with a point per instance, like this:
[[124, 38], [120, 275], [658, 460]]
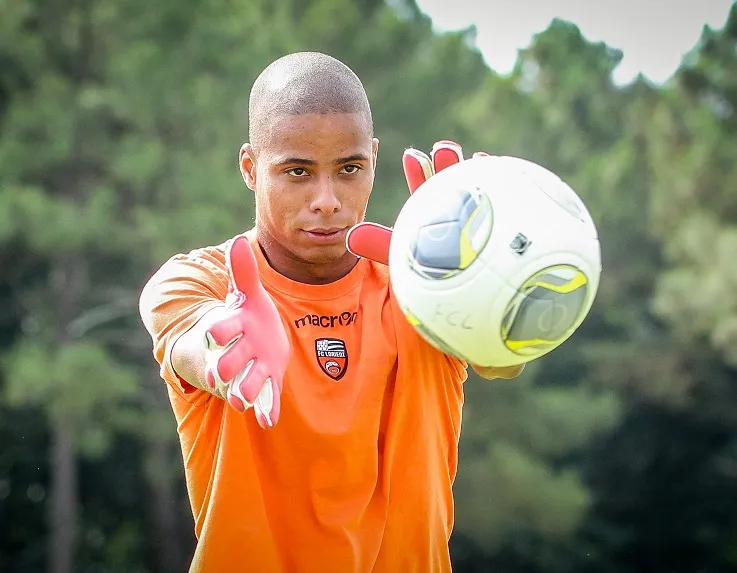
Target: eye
[[297, 172], [351, 169]]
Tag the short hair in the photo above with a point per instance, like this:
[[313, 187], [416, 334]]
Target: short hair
[[304, 83]]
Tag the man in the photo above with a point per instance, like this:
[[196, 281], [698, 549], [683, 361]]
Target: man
[[348, 463]]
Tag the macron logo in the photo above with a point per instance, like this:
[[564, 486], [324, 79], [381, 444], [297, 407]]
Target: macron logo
[[326, 321]]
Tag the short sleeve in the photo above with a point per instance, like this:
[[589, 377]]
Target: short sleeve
[[175, 298]]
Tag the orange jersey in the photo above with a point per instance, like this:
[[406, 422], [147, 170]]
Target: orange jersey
[[357, 474]]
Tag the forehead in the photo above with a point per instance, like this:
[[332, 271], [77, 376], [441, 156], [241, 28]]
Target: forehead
[[314, 136]]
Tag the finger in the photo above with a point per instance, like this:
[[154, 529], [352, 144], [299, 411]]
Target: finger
[[235, 395], [210, 378], [223, 332], [370, 241], [279, 383], [235, 360], [253, 380], [242, 266], [446, 153], [481, 154], [268, 405], [417, 168]]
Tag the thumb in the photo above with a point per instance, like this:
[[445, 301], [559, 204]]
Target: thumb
[[370, 241], [242, 266]]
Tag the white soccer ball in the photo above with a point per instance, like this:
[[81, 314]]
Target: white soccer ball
[[495, 260]]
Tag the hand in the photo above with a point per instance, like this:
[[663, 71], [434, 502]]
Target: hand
[[248, 348], [371, 240]]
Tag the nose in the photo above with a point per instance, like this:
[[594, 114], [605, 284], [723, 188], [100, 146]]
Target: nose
[[325, 200]]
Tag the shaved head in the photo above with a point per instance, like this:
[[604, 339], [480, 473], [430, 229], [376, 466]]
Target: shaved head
[[304, 83], [310, 162]]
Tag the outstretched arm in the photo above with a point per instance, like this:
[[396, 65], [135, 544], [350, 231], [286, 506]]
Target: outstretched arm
[[188, 354], [371, 240], [234, 347]]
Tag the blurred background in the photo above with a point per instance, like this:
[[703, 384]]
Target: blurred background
[[120, 124]]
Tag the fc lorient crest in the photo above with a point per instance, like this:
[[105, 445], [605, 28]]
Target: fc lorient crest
[[332, 357]]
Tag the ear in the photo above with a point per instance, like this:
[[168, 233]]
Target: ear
[[247, 162], [375, 150]]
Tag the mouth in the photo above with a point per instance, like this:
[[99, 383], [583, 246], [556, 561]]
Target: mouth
[[326, 235]]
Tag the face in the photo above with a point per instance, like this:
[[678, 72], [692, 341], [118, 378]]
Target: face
[[312, 177]]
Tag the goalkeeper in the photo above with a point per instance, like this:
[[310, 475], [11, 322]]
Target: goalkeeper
[[319, 431]]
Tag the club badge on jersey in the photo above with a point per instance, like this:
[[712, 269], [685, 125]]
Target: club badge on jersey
[[332, 356]]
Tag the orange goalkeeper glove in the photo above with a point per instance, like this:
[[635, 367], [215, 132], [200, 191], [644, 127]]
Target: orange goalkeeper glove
[[248, 349]]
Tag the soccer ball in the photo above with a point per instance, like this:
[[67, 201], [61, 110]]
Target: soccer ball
[[495, 260]]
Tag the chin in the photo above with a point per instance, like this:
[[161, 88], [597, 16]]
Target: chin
[[325, 254]]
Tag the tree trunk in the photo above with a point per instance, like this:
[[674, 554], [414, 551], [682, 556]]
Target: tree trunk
[[163, 505], [68, 280], [162, 467], [63, 498]]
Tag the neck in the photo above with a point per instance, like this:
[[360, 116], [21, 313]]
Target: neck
[[285, 263]]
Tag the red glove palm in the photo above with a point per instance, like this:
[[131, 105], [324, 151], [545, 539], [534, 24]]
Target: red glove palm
[[248, 349], [371, 240]]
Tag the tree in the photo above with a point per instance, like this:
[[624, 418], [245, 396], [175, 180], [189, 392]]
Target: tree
[[693, 200]]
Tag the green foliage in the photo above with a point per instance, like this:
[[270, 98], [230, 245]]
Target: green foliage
[[694, 205], [551, 502], [698, 293], [513, 437], [78, 383]]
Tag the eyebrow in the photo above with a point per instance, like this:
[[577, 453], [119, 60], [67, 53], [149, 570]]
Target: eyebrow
[[354, 157], [312, 162], [293, 160]]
